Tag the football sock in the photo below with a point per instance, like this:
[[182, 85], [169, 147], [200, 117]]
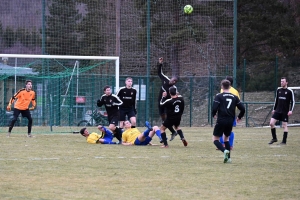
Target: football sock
[[227, 146], [231, 139], [273, 131], [158, 134], [180, 133], [118, 133], [164, 138], [285, 134], [219, 145], [109, 142], [221, 140], [172, 130], [146, 132]]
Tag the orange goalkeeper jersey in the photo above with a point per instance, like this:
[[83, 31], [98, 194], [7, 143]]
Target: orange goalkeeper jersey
[[23, 99]]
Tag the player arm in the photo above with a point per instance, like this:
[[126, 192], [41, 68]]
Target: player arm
[[276, 101], [100, 102], [215, 107], [241, 107], [117, 101], [33, 103], [292, 101]]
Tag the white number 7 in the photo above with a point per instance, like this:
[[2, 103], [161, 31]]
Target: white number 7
[[229, 102]]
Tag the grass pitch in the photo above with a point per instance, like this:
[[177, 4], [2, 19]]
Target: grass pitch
[[64, 166]]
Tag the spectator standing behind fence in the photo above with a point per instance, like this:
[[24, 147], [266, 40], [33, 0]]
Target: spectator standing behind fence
[[166, 84], [174, 107], [128, 95], [111, 103], [282, 110], [22, 100], [106, 136], [224, 105], [232, 90]]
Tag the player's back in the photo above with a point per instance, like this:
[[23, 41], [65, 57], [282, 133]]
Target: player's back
[[224, 105]]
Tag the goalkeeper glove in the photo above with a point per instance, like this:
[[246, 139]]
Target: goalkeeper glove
[[8, 108]]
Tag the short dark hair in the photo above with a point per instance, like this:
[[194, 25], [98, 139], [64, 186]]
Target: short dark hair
[[226, 84], [105, 87], [82, 131], [27, 81], [284, 78], [230, 79], [173, 91]]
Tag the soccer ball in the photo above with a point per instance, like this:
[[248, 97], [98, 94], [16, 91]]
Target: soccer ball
[[188, 9]]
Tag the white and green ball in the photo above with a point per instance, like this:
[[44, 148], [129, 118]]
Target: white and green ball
[[188, 9]]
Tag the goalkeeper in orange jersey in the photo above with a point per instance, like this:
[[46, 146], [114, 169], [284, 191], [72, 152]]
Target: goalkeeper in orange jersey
[[22, 100], [106, 136], [132, 136]]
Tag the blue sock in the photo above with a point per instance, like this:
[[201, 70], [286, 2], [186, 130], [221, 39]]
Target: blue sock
[[231, 139], [109, 142], [146, 132], [158, 134]]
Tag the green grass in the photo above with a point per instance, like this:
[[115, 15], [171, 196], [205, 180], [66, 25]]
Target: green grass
[[64, 166]]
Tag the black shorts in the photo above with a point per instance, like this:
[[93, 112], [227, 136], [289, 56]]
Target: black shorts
[[221, 128], [161, 110], [171, 122], [25, 113], [129, 112], [280, 117], [113, 119]]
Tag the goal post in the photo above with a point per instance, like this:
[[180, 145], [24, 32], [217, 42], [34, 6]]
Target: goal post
[[67, 87]]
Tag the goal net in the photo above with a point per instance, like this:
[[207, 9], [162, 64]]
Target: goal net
[[67, 88]]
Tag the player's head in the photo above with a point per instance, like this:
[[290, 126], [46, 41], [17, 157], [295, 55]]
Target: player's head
[[173, 91], [225, 84], [283, 82], [28, 84], [173, 80], [230, 79], [82, 131], [107, 90], [128, 82], [127, 124]]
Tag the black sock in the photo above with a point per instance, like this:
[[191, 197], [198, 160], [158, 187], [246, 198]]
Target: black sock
[[164, 138], [172, 130], [132, 126], [180, 133], [285, 134], [227, 146], [273, 131], [118, 133], [219, 145]]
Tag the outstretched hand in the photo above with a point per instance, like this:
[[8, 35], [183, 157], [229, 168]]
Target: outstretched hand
[[160, 60]]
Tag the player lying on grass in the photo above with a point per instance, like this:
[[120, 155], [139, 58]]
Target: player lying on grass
[[105, 137], [132, 136]]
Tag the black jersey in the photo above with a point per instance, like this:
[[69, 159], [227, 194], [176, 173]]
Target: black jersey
[[165, 82], [284, 98], [174, 106], [224, 104], [128, 96], [111, 103]]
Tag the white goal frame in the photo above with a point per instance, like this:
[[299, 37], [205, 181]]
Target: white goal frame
[[115, 58]]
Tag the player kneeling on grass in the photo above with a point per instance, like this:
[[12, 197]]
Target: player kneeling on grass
[[132, 136], [105, 137]]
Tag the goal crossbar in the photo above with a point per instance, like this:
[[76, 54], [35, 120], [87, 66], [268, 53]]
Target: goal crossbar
[[115, 58]]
